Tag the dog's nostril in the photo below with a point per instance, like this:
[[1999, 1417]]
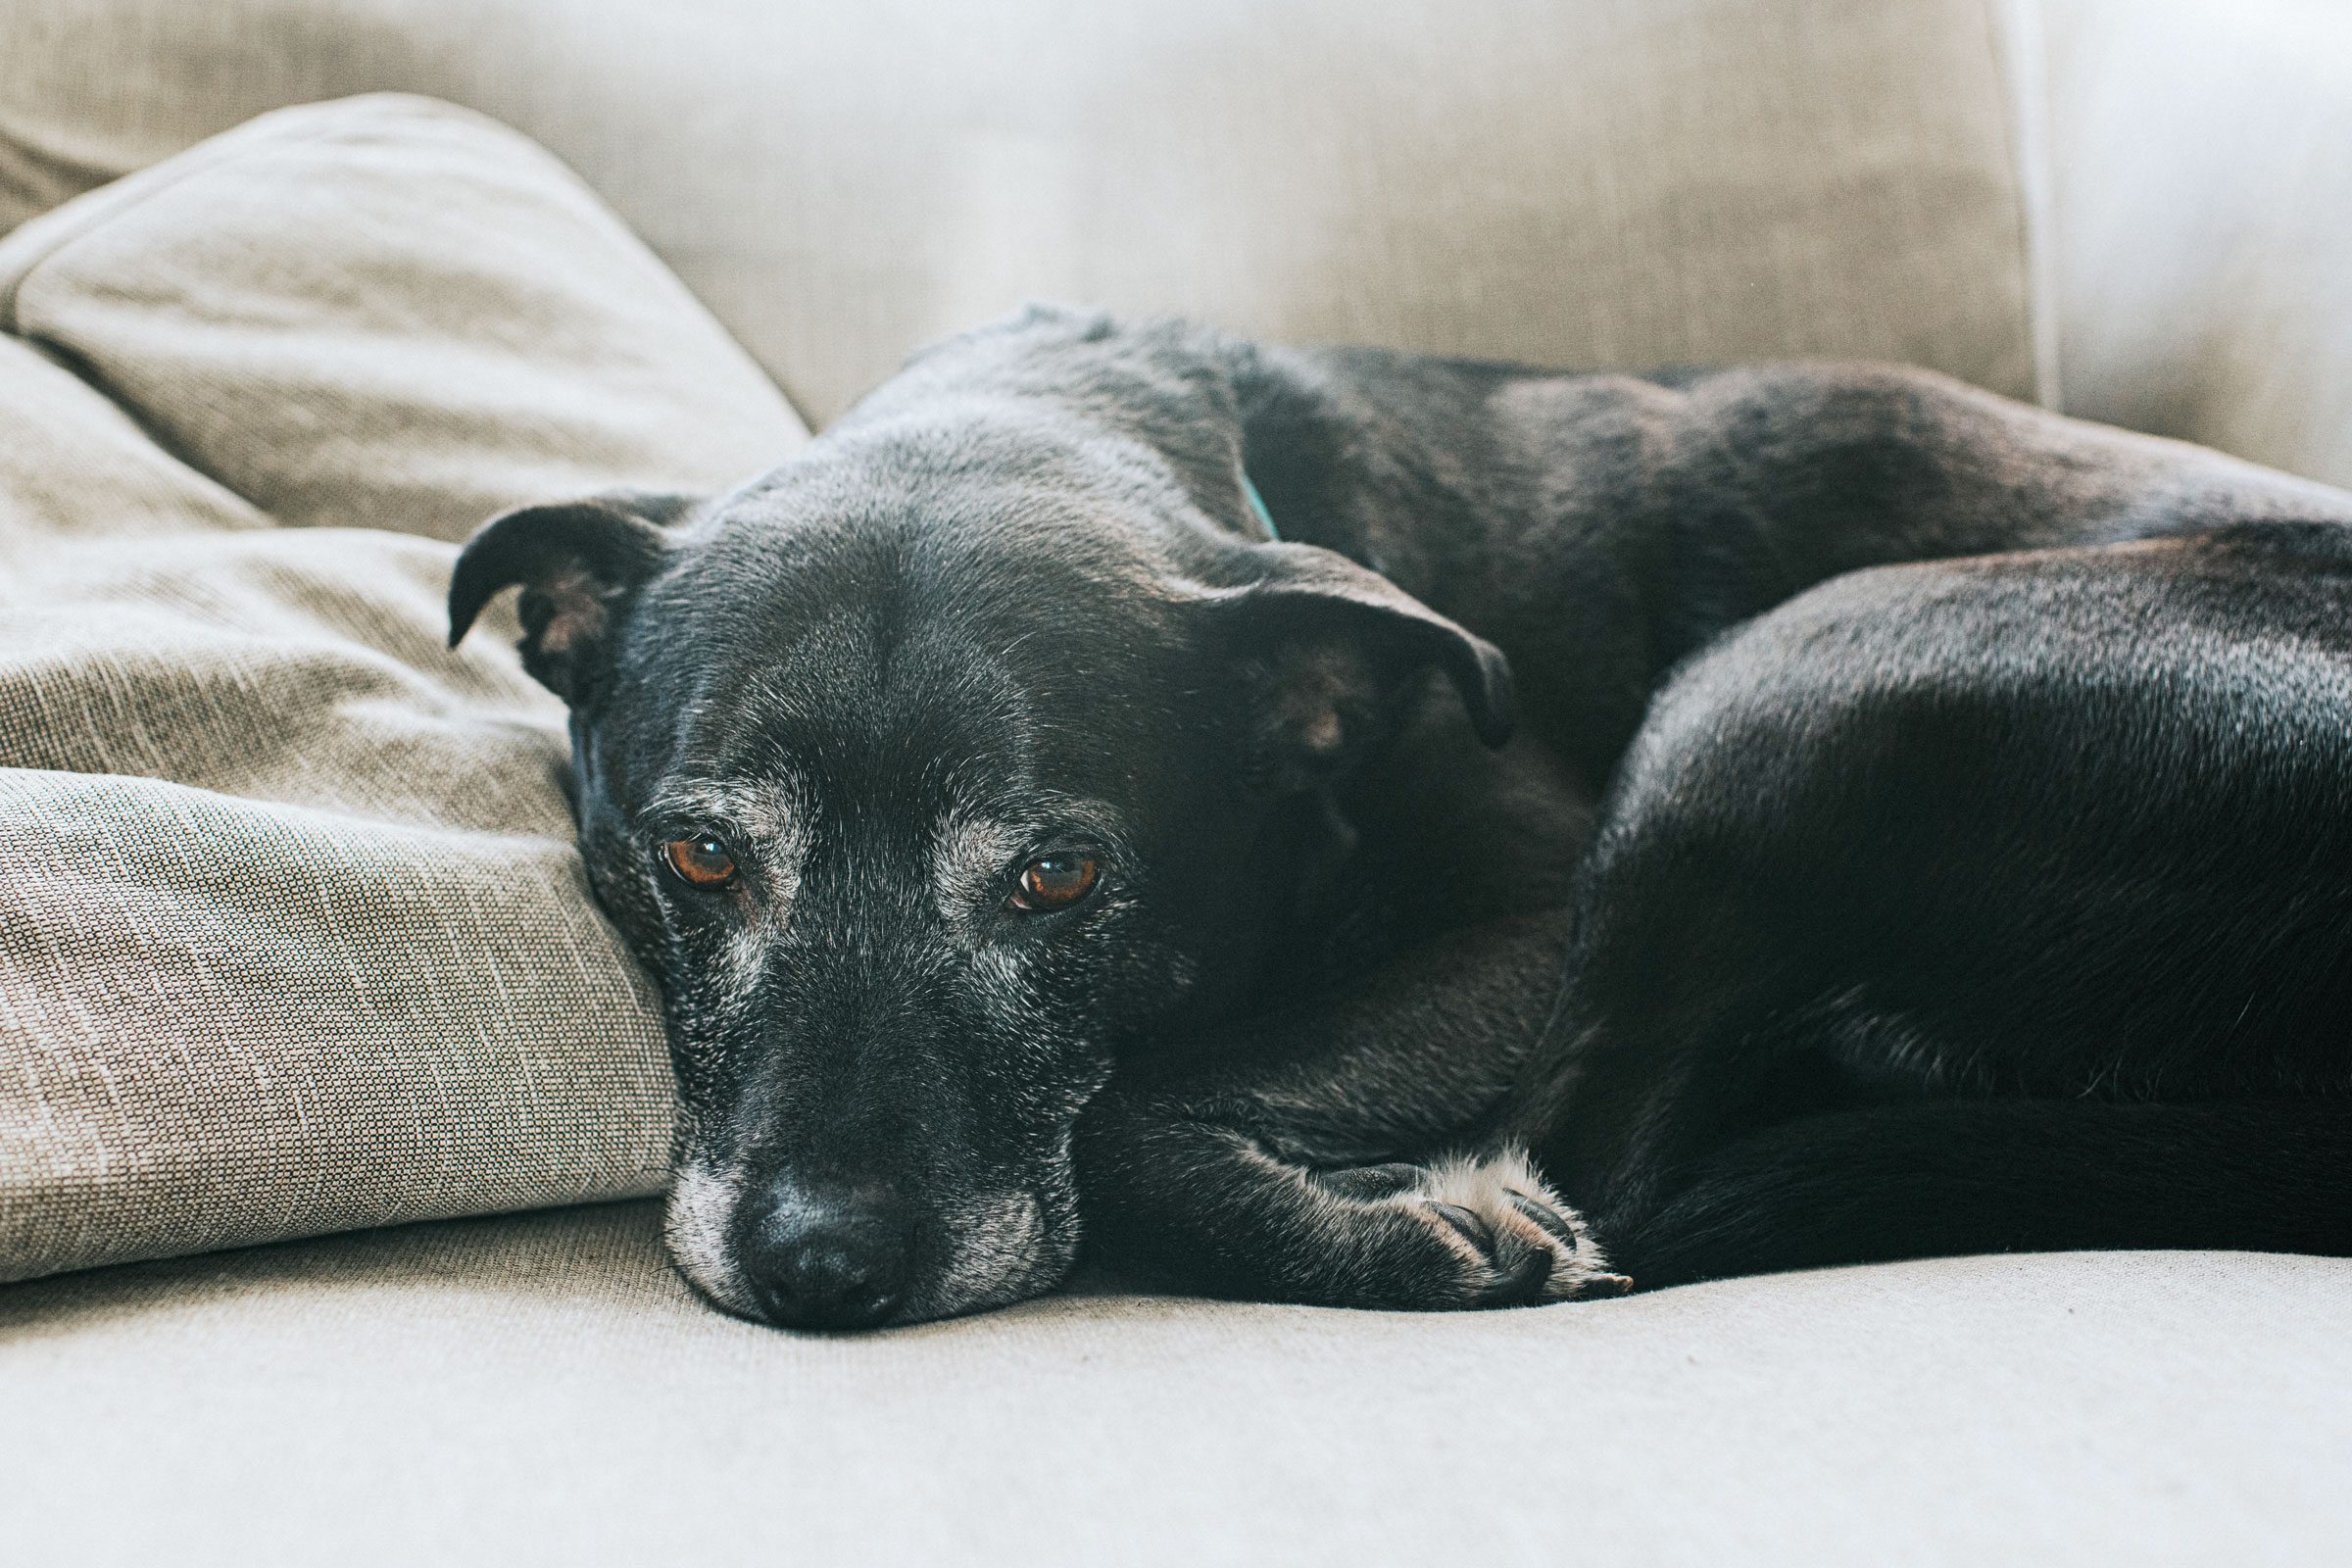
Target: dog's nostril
[[819, 1259]]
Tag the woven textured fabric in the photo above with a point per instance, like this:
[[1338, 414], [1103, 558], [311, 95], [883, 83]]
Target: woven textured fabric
[[541, 1389], [393, 314], [292, 934], [1597, 183]]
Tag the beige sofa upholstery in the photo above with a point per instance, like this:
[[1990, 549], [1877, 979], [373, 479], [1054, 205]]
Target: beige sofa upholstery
[[2142, 203], [542, 1391], [1602, 182], [1987, 187]]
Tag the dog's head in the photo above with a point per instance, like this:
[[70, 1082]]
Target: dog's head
[[979, 744]]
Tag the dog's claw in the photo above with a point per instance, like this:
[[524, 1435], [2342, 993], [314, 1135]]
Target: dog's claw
[[1523, 1284], [1476, 1231], [1552, 1222]]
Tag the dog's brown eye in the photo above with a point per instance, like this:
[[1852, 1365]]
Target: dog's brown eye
[[701, 862], [1054, 882]]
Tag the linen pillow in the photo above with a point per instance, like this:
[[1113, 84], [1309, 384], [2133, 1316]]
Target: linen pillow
[[292, 935]]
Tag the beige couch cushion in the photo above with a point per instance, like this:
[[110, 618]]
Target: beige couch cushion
[[542, 1391], [292, 935], [1591, 182]]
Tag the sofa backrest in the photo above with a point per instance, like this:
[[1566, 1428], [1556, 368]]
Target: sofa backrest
[[1596, 183]]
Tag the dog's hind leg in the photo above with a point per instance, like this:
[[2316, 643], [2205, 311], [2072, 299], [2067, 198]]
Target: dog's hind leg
[[1955, 1176], [1320, 1154]]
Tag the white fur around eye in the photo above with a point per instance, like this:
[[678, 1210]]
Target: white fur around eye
[[975, 858], [969, 857], [766, 827]]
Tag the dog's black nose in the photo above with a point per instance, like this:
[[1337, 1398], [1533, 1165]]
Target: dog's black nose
[[828, 1257]]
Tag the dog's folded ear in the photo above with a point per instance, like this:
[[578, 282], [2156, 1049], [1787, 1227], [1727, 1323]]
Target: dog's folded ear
[[577, 563], [1330, 642]]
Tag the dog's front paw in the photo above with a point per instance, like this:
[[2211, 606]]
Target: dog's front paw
[[1460, 1233]]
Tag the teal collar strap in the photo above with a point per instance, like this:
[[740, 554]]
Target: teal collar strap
[[1257, 504]]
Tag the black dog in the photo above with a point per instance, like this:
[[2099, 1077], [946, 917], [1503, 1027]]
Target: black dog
[[1030, 847]]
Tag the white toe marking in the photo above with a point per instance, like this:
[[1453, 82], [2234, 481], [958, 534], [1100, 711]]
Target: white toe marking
[[1485, 1188]]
